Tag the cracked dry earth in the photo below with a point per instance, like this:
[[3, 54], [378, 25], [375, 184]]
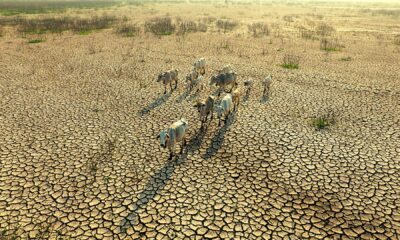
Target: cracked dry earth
[[79, 116]]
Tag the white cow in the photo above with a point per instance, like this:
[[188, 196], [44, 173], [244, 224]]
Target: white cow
[[175, 133], [248, 84], [200, 66], [236, 98], [225, 108], [266, 84], [195, 83], [205, 108], [167, 78], [191, 79]]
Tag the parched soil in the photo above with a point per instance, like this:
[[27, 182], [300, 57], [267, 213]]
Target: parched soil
[[79, 158]]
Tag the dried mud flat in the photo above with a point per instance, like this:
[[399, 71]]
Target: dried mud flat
[[79, 157]]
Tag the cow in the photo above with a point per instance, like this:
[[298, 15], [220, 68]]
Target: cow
[[167, 78], [236, 98], [200, 66], [266, 83], [224, 79], [205, 108], [225, 108], [175, 133]]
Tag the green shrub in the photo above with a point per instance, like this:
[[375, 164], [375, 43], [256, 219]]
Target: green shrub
[[320, 123], [323, 121], [330, 45], [36, 40], [346, 59], [291, 61]]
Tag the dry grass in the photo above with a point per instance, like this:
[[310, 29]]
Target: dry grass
[[330, 44], [291, 61], [306, 33], [59, 24], [9, 8], [382, 12], [397, 40], [185, 27], [324, 30], [160, 26], [226, 25], [64, 97], [258, 29], [128, 30]]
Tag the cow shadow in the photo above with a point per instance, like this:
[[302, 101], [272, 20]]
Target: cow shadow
[[156, 103], [246, 96], [183, 96], [264, 98], [158, 181], [194, 96], [218, 139]]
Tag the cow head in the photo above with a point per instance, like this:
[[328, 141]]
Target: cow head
[[185, 123], [164, 137], [213, 80], [189, 77], [160, 77]]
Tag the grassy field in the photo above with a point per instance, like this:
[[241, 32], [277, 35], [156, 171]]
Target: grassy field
[[317, 157], [10, 8]]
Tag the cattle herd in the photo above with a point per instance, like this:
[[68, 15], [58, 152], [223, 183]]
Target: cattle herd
[[195, 80]]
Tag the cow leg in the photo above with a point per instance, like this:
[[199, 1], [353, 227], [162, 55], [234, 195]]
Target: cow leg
[[183, 144], [176, 83], [170, 85], [165, 88]]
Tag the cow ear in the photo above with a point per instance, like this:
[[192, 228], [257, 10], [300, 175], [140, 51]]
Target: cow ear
[[158, 136], [167, 135]]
